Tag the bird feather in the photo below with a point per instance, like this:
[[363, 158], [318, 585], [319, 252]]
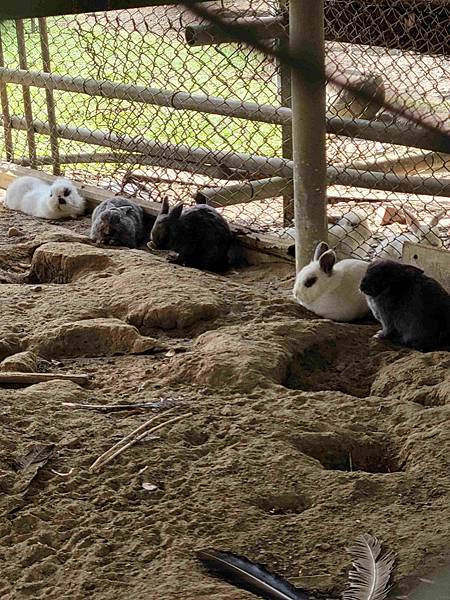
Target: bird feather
[[370, 573], [250, 576]]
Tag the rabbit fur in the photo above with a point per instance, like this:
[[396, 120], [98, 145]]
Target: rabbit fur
[[330, 289], [198, 236], [348, 236], [118, 222], [426, 233], [413, 309], [37, 198]]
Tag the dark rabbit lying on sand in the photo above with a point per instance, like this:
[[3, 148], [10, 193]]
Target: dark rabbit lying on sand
[[118, 222], [198, 236], [413, 309]]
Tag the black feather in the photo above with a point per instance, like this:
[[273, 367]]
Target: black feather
[[250, 576]]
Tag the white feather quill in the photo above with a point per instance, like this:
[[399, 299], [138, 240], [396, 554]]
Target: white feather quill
[[370, 572]]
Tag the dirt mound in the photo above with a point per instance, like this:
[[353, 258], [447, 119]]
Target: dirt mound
[[302, 433]]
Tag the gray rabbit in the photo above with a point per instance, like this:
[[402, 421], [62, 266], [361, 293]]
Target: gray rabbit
[[413, 309], [118, 222]]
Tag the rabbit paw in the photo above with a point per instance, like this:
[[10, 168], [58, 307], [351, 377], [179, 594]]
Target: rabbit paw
[[381, 335]]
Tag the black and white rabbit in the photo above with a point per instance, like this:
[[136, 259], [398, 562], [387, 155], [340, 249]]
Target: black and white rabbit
[[37, 198], [198, 236], [118, 222], [330, 289], [413, 309]]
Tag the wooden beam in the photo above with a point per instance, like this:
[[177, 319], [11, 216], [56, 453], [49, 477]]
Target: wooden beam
[[30, 378], [22, 9]]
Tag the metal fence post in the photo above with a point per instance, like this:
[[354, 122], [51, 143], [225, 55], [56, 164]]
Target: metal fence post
[[306, 34]]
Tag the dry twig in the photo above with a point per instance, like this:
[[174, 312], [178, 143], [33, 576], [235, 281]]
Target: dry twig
[[132, 438]]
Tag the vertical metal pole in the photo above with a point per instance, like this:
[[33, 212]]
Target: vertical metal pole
[[306, 28], [26, 93], [9, 149], [285, 100], [45, 50]]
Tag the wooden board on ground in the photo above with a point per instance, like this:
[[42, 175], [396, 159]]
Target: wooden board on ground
[[260, 247], [434, 261]]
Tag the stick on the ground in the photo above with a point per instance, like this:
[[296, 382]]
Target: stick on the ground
[[116, 407], [108, 456], [30, 378]]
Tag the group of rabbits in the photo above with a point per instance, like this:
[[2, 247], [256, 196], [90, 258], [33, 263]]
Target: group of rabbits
[[196, 237], [413, 309]]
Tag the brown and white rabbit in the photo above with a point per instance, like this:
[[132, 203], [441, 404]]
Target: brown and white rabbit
[[330, 289]]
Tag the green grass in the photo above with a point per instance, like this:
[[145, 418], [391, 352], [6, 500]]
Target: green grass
[[146, 59]]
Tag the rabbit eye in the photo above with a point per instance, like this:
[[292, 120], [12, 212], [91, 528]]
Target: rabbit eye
[[310, 281], [66, 192]]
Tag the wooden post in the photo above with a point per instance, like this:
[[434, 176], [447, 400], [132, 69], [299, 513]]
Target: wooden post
[[286, 129], [9, 149], [45, 50], [26, 93], [306, 20]]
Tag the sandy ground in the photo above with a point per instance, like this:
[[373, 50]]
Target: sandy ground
[[301, 433]]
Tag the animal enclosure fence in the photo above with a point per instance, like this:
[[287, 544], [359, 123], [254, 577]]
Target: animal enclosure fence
[[151, 102]]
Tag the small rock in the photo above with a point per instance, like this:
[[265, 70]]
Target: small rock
[[14, 232], [36, 288], [150, 487], [25, 362]]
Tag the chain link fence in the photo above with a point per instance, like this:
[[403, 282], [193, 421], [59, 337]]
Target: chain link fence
[[152, 102]]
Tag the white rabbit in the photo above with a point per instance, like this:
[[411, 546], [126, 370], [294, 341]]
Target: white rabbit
[[348, 236], [331, 289], [39, 199], [392, 245]]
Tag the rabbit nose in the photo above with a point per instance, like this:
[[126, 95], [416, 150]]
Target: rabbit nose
[[61, 201]]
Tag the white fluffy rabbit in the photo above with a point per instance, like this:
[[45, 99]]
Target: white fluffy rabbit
[[39, 199], [331, 289], [392, 245], [348, 236]]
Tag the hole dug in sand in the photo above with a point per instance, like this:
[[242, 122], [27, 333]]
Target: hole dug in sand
[[283, 504], [340, 451], [339, 365]]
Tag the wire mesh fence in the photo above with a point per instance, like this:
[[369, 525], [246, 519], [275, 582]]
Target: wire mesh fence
[[151, 102]]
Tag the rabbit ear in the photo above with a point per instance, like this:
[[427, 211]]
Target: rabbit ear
[[320, 249], [435, 220], [175, 213], [327, 260], [164, 206]]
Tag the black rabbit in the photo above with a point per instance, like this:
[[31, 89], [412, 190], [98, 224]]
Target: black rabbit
[[118, 222], [413, 309], [199, 237]]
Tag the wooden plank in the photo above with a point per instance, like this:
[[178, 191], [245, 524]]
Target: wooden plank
[[30, 378], [434, 261]]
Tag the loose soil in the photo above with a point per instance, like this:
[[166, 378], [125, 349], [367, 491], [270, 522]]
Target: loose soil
[[303, 433]]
